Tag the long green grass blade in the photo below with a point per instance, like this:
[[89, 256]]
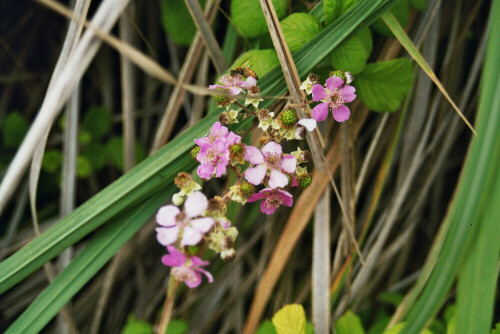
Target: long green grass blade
[[156, 172], [85, 265], [473, 215]]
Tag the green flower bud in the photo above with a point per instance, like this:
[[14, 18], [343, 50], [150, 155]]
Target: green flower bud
[[194, 152]]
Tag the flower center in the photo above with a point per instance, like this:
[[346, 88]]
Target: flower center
[[274, 201], [273, 160], [335, 97], [184, 273]]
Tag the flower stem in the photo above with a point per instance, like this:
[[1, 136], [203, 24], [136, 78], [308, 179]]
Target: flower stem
[[168, 306]]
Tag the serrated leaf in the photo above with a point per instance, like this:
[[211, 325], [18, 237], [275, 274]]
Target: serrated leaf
[[177, 21], [261, 61], [14, 128], [266, 327], [299, 28], [350, 56], [97, 121], [136, 326], [349, 323], [248, 18], [290, 319], [402, 13], [382, 86], [52, 160]]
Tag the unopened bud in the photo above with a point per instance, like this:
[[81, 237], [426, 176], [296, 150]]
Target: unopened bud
[[300, 132], [177, 199], [194, 152]]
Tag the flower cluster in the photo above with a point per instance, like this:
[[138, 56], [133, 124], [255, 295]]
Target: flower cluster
[[265, 172]]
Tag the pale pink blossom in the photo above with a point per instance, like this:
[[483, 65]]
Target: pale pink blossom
[[333, 96], [272, 199], [234, 84], [186, 269], [269, 159], [173, 221]]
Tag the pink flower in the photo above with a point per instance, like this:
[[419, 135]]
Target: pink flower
[[172, 221], [333, 96], [234, 83], [186, 268], [269, 158], [214, 151], [272, 199]]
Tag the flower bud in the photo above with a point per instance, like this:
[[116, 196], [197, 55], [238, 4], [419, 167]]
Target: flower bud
[[300, 132], [194, 152], [177, 199], [265, 118], [237, 154], [305, 180], [221, 100], [228, 255], [242, 192]]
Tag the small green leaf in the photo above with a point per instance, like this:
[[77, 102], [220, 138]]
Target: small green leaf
[[299, 28], [52, 160], [266, 328], [382, 86], [401, 11], [14, 127], [177, 21], [84, 137], [349, 323], [351, 55], [98, 122], [290, 319], [419, 4], [83, 167], [135, 326], [176, 327], [392, 298], [248, 18], [396, 329], [261, 61], [96, 154], [114, 150]]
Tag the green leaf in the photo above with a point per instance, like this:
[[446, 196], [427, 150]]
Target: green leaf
[[419, 4], [177, 21], [135, 326], [98, 122], [266, 328], [496, 330], [392, 298], [400, 11], [14, 128], [176, 327], [83, 167], [366, 37], [397, 329], [290, 319], [52, 160], [352, 54], [261, 61], [96, 154], [114, 151], [333, 9], [248, 18], [299, 28], [84, 137], [349, 323], [382, 86]]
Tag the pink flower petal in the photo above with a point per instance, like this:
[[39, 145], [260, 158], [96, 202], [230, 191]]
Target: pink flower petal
[[221, 167], [205, 171], [202, 224], [319, 113], [206, 273], [218, 129], [167, 235], [260, 195], [272, 148], [166, 216], [268, 210], [196, 262], [348, 93], [334, 83], [249, 83], [255, 175], [233, 138], [190, 236], [253, 155], [196, 204], [235, 90], [309, 123], [175, 258], [286, 197], [193, 280], [277, 179], [289, 163], [318, 92], [341, 113]]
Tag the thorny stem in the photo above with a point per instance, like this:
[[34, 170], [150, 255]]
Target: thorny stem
[[243, 107], [169, 304]]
